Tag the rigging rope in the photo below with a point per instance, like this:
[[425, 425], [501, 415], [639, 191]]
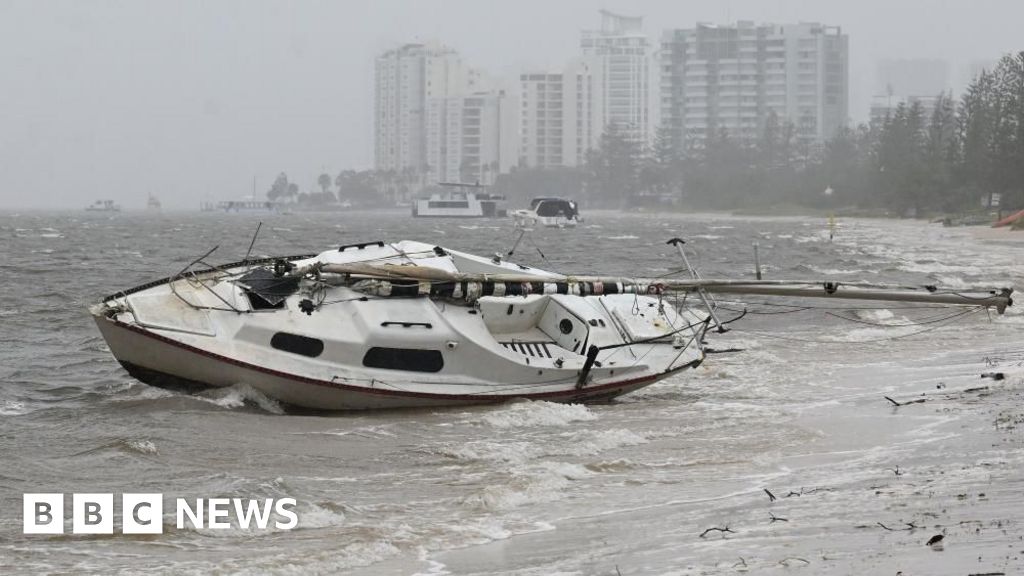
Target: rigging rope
[[871, 341]]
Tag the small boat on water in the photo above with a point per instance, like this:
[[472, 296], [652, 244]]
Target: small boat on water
[[153, 204], [550, 213], [412, 324], [460, 201], [250, 206], [103, 206]]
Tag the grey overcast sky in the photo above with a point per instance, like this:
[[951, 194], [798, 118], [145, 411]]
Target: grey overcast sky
[[190, 100]]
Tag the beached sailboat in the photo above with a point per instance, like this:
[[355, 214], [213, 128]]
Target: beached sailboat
[[407, 324]]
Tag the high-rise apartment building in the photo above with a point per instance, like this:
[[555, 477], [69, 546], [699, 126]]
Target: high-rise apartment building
[[555, 124], [735, 77], [438, 120], [884, 106], [406, 79], [471, 138], [619, 62], [913, 77]]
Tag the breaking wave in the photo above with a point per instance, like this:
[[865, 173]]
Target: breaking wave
[[240, 395], [13, 408], [542, 482], [540, 413], [146, 447]]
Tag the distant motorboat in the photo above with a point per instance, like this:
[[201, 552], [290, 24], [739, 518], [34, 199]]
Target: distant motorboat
[[461, 201], [153, 204], [103, 206], [549, 212], [251, 206]]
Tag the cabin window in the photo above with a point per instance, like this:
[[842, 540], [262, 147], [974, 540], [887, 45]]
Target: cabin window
[[448, 204], [296, 344], [408, 359]]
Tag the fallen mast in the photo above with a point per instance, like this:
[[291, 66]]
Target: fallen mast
[[391, 280]]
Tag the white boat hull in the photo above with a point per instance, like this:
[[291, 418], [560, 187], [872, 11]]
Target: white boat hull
[[460, 205], [167, 363], [526, 218], [363, 350]]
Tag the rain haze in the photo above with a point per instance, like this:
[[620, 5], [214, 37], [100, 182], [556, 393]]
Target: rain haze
[[194, 100], [466, 288]]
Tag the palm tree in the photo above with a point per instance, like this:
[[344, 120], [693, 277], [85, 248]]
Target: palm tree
[[495, 170], [408, 177], [325, 182]]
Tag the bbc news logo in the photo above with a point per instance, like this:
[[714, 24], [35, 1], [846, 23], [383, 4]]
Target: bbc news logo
[[143, 513]]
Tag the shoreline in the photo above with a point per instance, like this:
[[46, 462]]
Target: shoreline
[[989, 234]]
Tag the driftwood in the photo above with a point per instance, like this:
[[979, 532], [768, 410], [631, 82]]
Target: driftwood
[[713, 529], [909, 526], [898, 404], [776, 518], [804, 491], [771, 497]]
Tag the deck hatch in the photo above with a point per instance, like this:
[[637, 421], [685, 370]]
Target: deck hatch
[[266, 290]]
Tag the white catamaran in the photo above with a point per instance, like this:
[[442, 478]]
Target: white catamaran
[[406, 324], [460, 201]]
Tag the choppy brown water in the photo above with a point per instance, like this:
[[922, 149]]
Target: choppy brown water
[[538, 488]]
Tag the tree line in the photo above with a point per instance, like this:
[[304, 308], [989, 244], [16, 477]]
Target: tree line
[[364, 188], [963, 154]]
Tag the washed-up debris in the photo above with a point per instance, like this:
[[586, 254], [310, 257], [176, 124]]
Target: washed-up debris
[[935, 542], [898, 404], [713, 529], [994, 375], [909, 526], [771, 497], [804, 491], [775, 518], [722, 350]]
